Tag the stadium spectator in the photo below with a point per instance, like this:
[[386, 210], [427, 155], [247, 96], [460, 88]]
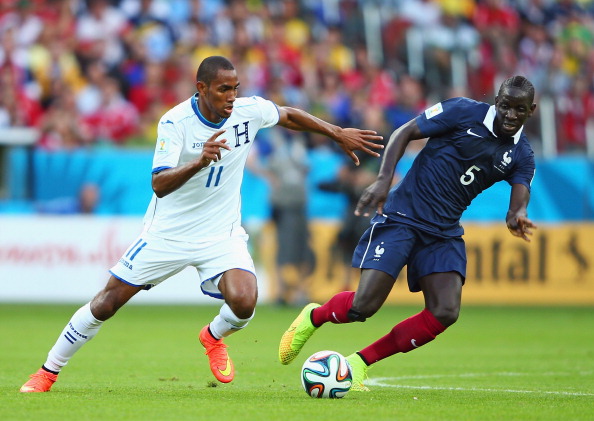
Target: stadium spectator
[[576, 110], [276, 45], [450, 40], [410, 101], [351, 181], [115, 119], [17, 107], [498, 25], [151, 28], [334, 101], [53, 64], [62, 127], [88, 97], [535, 52], [297, 30], [285, 168], [25, 22], [333, 54], [149, 87], [576, 39], [471, 146], [197, 221], [203, 41], [100, 29]]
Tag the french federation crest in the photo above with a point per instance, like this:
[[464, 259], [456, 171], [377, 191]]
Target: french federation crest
[[506, 159]]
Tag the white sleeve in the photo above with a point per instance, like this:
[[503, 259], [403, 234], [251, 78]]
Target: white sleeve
[[270, 114], [169, 145]]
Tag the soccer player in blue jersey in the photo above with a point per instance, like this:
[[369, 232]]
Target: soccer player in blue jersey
[[471, 146], [194, 217]]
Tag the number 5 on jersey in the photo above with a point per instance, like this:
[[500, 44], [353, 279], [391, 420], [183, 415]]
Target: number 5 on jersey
[[211, 174], [467, 177]]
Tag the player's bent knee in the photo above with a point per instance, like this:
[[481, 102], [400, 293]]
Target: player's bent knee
[[103, 309], [354, 316], [366, 306], [446, 316], [106, 304], [243, 308], [245, 314], [360, 313]]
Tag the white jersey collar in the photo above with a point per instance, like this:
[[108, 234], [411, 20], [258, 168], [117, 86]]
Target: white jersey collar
[[194, 101]]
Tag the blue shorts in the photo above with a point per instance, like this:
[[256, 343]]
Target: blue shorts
[[389, 245]]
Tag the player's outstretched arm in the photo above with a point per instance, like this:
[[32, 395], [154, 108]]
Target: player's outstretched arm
[[375, 195], [517, 220], [171, 179], [349, 139]]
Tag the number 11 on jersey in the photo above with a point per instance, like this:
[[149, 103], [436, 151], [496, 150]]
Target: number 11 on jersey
[[211, 174]]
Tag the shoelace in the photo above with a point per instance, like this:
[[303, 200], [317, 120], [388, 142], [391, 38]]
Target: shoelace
[[214, 347], [39, 378]]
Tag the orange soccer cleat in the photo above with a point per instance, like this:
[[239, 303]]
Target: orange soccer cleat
[[220, 363], [41, 381]]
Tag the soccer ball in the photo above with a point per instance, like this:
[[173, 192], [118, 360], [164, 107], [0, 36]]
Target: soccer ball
[[326, 374]]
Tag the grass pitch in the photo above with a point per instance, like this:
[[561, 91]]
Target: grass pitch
[[496, 363]]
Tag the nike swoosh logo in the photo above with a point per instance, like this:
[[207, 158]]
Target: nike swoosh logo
[[413, 341], [469, 131], [227, 369], [167, 122], [335, 318]]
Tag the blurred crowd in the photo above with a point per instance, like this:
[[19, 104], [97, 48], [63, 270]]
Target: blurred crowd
[[101, 72]]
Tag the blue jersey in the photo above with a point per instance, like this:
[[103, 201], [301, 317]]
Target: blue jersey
[[462, 157]]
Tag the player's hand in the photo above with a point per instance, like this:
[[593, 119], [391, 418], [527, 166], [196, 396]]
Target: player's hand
[[521, 227], [351, 140], [374, 196], [211, 151]]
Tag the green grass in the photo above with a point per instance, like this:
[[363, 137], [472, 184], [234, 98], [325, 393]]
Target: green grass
[[496, 363]]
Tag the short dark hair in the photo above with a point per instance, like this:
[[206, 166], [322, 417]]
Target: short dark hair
[[518, 82], [210, 66]]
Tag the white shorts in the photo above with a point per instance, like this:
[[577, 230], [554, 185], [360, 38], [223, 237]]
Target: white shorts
[[150, 260]]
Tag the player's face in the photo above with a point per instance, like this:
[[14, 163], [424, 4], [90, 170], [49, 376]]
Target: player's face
[[216, 99], [514, 106]]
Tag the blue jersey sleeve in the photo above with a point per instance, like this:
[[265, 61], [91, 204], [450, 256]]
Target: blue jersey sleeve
[[525, 166], [445, 116]]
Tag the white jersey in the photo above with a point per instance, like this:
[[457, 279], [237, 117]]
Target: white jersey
[[209, 204]]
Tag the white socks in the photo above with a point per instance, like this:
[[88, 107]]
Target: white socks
[[226, 322], [84, 326], [81, 329]]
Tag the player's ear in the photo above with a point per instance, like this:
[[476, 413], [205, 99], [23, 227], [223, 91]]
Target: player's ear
[[201, 87]]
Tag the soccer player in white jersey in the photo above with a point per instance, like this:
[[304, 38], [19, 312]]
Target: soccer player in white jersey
[[194, 216]]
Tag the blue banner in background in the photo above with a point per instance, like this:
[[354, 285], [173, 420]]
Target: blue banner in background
[[50, 182]]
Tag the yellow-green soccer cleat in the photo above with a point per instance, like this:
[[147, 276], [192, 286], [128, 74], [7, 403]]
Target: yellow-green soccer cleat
[[358, 371], [298, 333]]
